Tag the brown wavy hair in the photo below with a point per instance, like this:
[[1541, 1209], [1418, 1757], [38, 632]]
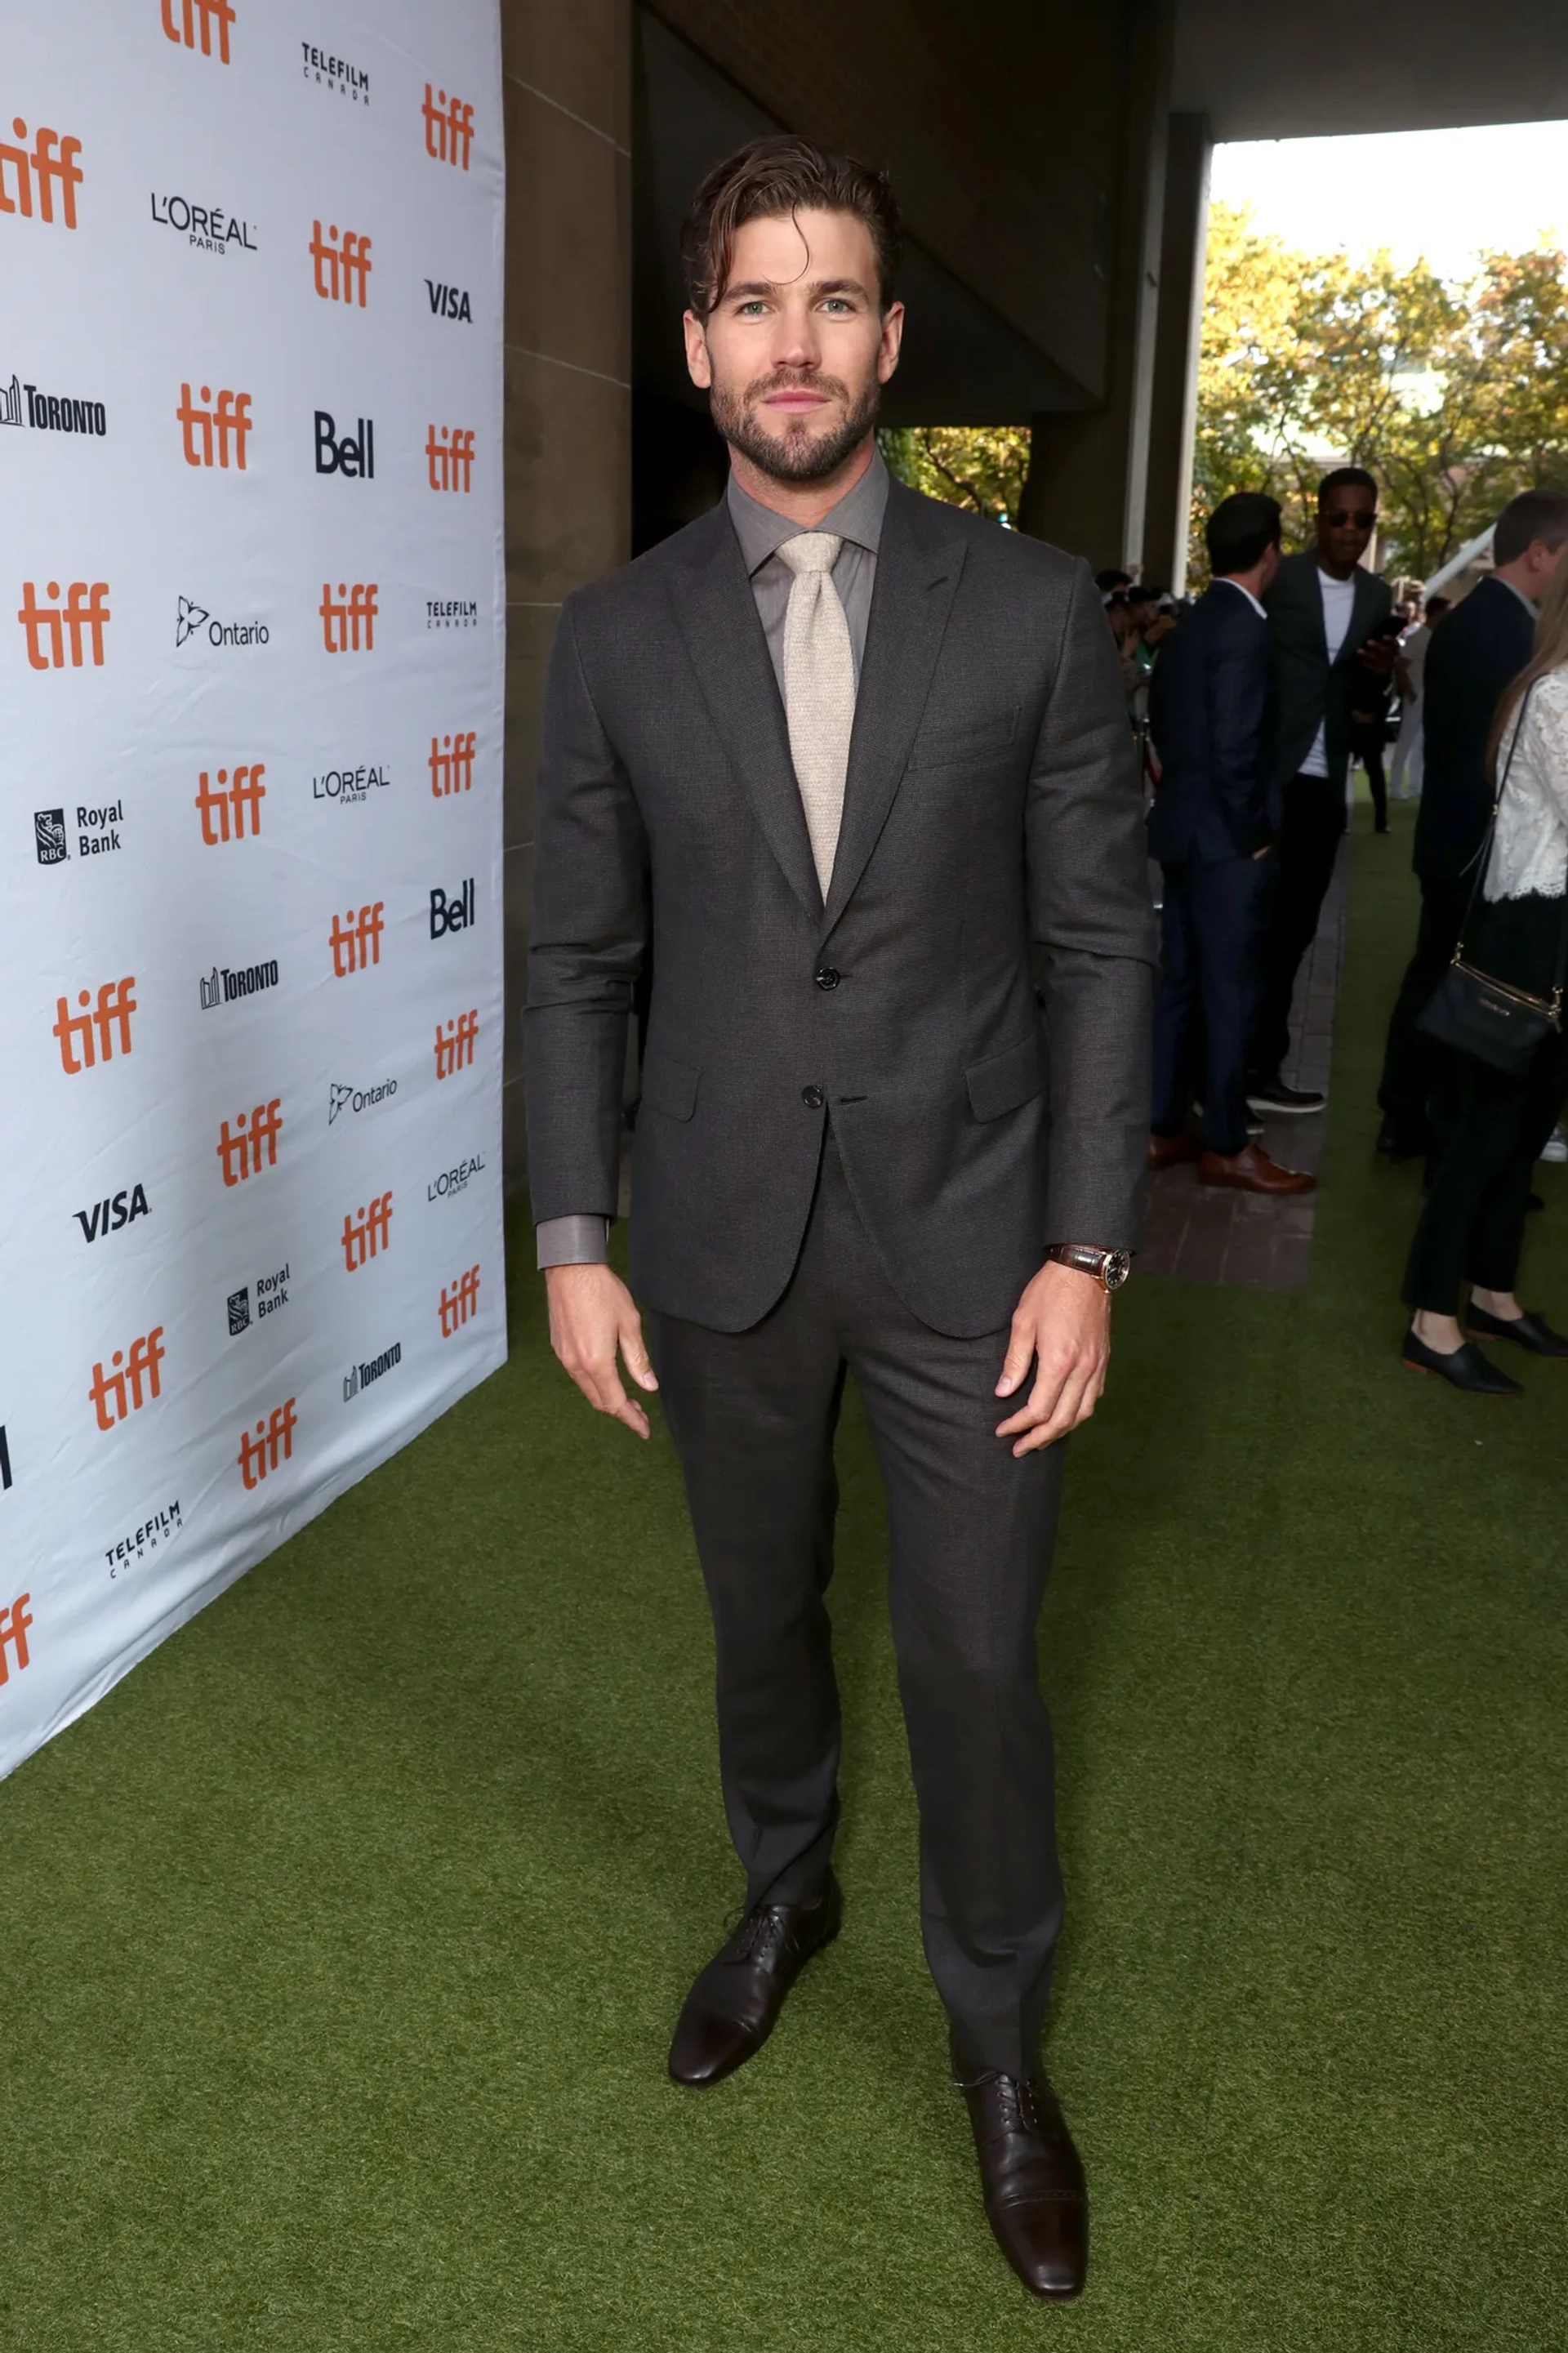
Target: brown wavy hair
[[1551, 653], [768, 178]]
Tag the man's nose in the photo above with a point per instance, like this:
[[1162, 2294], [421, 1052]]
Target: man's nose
[[796, 342]]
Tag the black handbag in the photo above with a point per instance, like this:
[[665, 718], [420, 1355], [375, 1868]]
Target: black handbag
[[1476, 1013]]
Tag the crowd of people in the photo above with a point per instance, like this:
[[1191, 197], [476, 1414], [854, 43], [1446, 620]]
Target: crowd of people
[[1272, 684]]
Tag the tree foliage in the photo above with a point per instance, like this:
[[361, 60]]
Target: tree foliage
[[981, 466], [1454, 396]]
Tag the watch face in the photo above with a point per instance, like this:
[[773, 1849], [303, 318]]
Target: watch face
[[1117, 1267]]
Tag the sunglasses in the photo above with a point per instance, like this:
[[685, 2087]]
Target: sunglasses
[[1364, 518]]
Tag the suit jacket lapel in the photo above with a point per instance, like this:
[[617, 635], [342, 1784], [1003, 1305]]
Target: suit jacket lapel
[[1361, 612], [717, 618], [918, 565]]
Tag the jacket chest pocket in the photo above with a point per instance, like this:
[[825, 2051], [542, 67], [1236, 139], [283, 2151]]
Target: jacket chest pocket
[[966, 742]]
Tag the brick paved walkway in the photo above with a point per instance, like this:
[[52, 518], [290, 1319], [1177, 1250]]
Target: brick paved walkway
[[1200, 1233]]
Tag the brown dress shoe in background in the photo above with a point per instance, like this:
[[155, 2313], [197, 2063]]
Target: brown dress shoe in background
[[1032, 2178], [734, 2006], [1250, 1170], [1169, 1150]]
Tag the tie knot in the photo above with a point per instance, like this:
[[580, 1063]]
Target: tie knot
[[810, 551]]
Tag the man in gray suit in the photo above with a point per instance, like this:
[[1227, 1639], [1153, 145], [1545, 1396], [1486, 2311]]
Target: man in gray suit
[[1323, 609], [839, 758]]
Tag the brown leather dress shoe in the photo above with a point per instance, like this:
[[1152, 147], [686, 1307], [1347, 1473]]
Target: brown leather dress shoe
[[1030, 2173], [1250, 1170], [734, 2006], [1169, 1150]]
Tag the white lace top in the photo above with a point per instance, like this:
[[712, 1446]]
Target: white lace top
[[1530, 851]]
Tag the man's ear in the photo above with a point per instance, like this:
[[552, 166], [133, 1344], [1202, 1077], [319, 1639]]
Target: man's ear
[[892, 337], [699, 366]]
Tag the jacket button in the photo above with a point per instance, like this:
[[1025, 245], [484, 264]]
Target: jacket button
[[827, 977], [812, 1097]]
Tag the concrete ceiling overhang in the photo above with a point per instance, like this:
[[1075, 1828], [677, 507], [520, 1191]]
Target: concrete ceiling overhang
[[1306, 68]]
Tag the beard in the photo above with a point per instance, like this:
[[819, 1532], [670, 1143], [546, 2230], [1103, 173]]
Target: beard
[[797, 455]]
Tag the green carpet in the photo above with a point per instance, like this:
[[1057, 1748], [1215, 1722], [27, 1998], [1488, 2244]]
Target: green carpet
[[340, 1944]]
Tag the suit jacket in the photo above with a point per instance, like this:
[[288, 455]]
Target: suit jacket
[[1476, 651], [991, 801], [1308, 689], [1218, 796]]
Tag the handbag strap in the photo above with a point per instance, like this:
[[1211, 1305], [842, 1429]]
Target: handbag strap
[[1483, 855]]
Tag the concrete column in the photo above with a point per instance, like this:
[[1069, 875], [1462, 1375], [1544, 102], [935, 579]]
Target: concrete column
[[1178, 336], [567, 91], [1089, 472]]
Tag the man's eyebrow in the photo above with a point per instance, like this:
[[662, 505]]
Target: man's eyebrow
[[749, 289]]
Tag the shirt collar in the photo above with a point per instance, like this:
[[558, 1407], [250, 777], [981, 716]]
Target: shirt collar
[[857, 517], [1533, 610], [1224, 581]]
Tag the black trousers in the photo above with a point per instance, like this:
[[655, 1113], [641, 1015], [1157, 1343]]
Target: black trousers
[[1210, 943], [1413, 1061], [1472, 1224], [1369, 745], [971, 1529], [1312, 822]]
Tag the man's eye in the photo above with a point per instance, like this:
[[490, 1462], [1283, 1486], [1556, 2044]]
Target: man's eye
[[835, 302], [751, 309]]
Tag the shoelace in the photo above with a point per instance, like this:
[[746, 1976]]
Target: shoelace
[[763, 1934]]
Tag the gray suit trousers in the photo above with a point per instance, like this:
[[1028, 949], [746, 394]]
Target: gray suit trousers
[[753, 1414]]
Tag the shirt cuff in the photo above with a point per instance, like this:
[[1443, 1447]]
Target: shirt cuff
[[572, 1241]]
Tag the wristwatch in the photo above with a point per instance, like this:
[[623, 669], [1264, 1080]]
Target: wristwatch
[[1110, 1268]]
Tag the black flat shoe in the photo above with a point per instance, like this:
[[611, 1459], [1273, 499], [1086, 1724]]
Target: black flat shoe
[[1467, 1368], [1529, 1330]]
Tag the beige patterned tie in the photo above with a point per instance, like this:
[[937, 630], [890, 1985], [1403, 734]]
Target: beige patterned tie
[[819, 690]]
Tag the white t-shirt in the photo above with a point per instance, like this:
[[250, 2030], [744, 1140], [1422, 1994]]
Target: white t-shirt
[[1339, 603]]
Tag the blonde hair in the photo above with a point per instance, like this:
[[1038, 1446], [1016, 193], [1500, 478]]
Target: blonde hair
[[1551, 653]]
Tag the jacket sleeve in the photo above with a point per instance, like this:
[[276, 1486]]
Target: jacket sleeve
[[1238, 691], [1090, 917], [589, 933]]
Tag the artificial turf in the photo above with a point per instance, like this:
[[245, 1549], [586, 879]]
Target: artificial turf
[[340, 1944]]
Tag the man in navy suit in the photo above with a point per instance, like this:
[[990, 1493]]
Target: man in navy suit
[[1214, 821]]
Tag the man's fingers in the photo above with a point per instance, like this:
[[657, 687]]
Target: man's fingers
[[610, 1397], [1049, 1379], [635, 1355], [1017, 1360], [1076, 1403]]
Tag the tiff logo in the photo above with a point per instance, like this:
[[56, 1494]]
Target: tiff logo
[[14, 1625], [370, 1235], [46, 626], [252, 1144], [459, 1301], [245, 793], [448, 129], [115, 1006], [341, 620], [50, 159], [232, 416], [146, 1356], [452, 764], [450, 459], [356, 942], [455, 1044], [273, 1443], [341, 269], [209, 13]]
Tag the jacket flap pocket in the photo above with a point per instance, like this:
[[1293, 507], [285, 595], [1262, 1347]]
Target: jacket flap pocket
[[1002, 1081], [669, 1086]]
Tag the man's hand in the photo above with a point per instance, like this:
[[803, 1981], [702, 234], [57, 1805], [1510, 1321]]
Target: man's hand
[[1379, 654], [593, 1316], [1062, 1326]]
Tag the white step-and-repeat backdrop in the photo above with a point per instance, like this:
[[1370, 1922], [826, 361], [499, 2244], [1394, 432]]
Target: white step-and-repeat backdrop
[[252, 652]]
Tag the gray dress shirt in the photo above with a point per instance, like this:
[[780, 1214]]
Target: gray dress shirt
[[857, 521]]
